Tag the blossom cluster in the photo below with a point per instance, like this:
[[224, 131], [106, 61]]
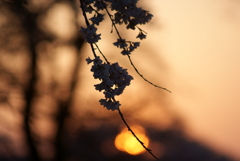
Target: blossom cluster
[[127, 46], [89, 34], [114, 80], [128, 13], [124, 12]]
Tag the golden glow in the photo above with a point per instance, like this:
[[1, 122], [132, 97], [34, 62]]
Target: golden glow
[[125, 141]]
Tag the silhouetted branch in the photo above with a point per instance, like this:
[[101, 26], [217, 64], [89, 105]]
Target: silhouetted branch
[[115, 27], [63, 111], [30, 26], [129, 129], [64, 106], [28, 21]]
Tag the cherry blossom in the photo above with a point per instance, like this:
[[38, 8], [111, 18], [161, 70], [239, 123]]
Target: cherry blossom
[[114, 80]]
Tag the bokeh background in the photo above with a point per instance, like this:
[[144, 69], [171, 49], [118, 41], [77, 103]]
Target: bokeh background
[[50, 110]]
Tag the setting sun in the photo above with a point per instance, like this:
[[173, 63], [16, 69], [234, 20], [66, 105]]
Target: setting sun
[[125, 141]]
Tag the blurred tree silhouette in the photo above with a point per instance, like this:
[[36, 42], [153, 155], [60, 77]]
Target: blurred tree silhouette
[[20, 46], [39, 75]]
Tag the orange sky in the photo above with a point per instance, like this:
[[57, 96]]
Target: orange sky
[[193, 49], [199, 42]]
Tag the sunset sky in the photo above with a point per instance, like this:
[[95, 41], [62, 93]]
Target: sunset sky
[[192, 49], [199, 41]]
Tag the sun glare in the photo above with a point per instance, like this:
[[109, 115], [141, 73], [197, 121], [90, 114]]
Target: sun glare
[[125, 141]]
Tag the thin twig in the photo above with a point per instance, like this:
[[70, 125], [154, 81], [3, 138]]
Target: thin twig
[[115, 27], [101, 53], [87, 23], [144, 77], [129, 129]]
